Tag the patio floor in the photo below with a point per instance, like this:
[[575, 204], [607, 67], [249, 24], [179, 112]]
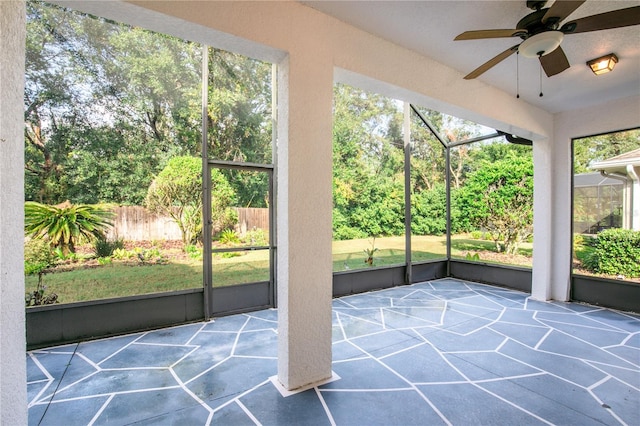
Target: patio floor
[[440, 352]]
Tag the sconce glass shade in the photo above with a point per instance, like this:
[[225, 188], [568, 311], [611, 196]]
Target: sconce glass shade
[[603, 64], [541, 44]]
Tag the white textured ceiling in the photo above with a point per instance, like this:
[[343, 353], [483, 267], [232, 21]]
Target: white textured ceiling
[[429, 27]]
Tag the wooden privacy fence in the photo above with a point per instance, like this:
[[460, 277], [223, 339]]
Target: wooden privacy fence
[[252, 218], [135, 223]]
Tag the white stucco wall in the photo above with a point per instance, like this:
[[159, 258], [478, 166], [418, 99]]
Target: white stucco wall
[[13, 385], [552, 257]]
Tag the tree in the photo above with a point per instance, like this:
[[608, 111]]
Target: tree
[[240, 121], [177, 193], [498, 197], [428, 211], [96, 89], [368, 156], [51, 102], [598, 148], [66, 224], [107, 105]]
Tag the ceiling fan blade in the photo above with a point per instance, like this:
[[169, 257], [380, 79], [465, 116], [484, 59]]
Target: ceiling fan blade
[[554, 62], [604, 21], [481, 34], [491, 63], [560, 9]]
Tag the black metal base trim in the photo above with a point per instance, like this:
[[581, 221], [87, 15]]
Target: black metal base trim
[[65, 323], [615, 294], [500, 275], [363, 280], [427, 271], [74, 322], [240, 298]]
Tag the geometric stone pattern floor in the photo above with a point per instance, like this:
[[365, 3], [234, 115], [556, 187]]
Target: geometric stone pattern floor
[[443, 352]]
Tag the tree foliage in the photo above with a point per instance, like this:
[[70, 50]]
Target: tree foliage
[[107, 105], [598, 148], [615, 252], [368, 182], [498, 197], [177, 192]]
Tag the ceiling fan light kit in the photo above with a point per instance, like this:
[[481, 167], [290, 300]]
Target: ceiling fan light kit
[[603, 64], [541, 44], [543, 30]]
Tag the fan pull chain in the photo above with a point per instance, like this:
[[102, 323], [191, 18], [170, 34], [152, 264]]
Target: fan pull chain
[[541, 77], [518, 75]]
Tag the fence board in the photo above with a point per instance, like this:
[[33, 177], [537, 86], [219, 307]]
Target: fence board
[[252, 218], [136, 223]]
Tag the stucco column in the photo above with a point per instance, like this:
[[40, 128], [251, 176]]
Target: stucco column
[[13, 382], [551, 219], [304, 208], [543, 192], [561, 219]]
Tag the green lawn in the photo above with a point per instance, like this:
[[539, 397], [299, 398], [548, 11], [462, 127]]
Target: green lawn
[[118, 279], [350, 255]]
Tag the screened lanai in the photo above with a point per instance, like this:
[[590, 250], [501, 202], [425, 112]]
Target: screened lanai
[[313, 51], [599, 199]]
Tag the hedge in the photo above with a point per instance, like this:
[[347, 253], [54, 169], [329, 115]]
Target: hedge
[[615, 252]]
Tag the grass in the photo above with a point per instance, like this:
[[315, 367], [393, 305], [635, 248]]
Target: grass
[[117, 279], [350, 255]]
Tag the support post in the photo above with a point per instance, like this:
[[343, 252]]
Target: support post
[[13, 375], [304, 188]]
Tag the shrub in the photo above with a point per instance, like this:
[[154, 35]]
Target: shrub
[[229, 236], [256, 237], [369, 252], [150, 256], [105, 248], [122, 254], [38, 257], [194, 252], [474, 256], [498, 198], [66, 224], [62, 256], [348, 233], [230, 254], [615, 252], [428, 211], [228, 219], [177, 192]]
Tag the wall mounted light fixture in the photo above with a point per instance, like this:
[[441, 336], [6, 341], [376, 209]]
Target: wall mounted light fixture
[[604, 64]]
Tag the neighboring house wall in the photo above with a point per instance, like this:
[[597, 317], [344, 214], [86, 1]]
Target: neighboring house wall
[[626, 168], [635, 198]]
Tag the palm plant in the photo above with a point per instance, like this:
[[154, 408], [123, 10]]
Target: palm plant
[[66, 224]]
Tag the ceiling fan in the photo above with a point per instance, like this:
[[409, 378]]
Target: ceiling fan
[[542, 33]]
